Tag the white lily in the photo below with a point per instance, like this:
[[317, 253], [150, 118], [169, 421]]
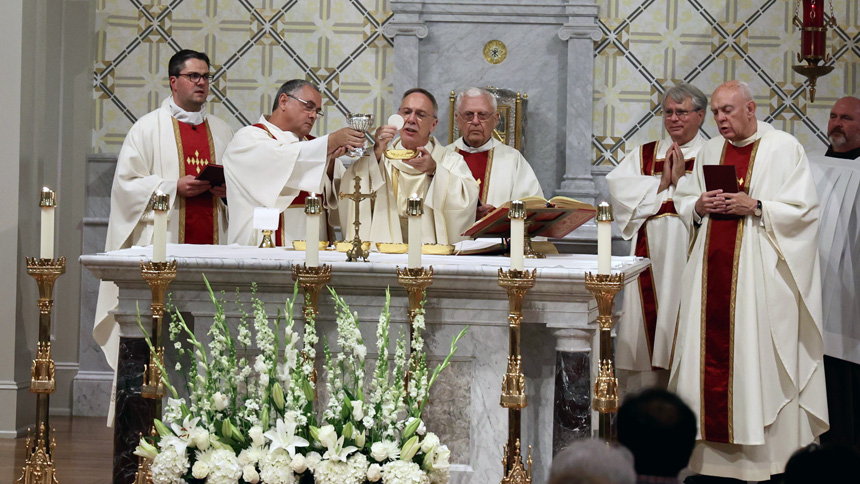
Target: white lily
[[337, 452], [283, 437], [187, 432]]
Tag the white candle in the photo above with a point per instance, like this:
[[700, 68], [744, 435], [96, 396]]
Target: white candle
[[47, 202], [604, 238], [160, 206], [415, 212], [313, 210], [517, 214]]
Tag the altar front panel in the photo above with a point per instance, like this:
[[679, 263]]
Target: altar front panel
[[464, 407]]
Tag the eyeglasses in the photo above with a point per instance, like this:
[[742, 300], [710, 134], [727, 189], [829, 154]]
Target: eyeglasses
[[421, 115], [195, 77], [683, 115], [468, 115], [308, 107]]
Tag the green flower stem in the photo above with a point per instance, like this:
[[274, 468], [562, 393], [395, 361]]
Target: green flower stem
[[164, 378]]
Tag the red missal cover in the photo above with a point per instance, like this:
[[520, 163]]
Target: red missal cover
[[214, 174], [723, 177]]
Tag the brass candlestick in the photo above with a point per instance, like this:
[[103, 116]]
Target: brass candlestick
[[605, 287], [311, 280], [357, 251], [415, 281], [38, 465], [267, 243], [516, 283]]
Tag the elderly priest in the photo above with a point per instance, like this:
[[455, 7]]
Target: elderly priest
[[748, 357], [275, 163], [417, 165], [502, 172]]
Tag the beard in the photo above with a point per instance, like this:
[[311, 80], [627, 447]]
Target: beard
[[837, 138]]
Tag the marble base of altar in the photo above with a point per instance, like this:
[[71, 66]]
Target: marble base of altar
[[557, 337]]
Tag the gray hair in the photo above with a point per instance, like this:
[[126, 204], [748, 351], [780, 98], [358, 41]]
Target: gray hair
[[475, 92], [289, 88], [683, 91], [590, 461]]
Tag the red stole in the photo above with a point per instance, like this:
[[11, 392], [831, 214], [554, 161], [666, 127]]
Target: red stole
[[650, 166], [198, 215], [720, 270], [480, 164], [299, 201]]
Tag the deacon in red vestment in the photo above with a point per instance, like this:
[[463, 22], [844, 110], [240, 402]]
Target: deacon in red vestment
[[748, 357]]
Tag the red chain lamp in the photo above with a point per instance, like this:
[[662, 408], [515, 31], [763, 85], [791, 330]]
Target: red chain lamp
[[813, 41]]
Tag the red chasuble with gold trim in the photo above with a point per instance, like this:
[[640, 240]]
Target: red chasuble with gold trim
[[480, 164], [719, 276], [297, 202], [198, 215]]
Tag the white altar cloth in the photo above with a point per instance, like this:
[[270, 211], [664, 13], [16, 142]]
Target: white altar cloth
[[558, 315]]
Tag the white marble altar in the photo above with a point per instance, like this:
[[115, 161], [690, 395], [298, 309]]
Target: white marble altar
[[464, 409]]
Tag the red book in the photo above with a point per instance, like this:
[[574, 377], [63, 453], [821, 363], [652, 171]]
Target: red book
[[214, 174], [723, 177]]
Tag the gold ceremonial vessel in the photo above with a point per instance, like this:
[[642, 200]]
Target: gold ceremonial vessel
[[437, 249], [400, 154], [392, 248], [345, 245], [302, 245]]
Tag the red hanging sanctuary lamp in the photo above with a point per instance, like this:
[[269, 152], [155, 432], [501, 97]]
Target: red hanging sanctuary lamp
[[813, 41]]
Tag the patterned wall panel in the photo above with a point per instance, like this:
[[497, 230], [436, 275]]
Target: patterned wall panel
[[649, 45], [254, 45]]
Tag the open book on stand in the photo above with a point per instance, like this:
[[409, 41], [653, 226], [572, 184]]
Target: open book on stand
[[552, 218]]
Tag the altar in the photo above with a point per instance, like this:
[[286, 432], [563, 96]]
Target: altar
[[558, 333]]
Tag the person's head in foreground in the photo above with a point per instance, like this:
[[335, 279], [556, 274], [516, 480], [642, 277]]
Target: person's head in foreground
[[659, 429], [590, 461], [830, 464]]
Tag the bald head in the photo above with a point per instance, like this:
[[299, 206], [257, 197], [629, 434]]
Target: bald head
[[734, 110], [843, 129]]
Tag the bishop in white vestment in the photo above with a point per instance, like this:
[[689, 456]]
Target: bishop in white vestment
[[748, 357]]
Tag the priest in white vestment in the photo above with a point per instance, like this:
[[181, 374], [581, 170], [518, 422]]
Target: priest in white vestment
[[437, 174], [748, 357], [164, 151], [502, 173], [273, 164], [642, 187]]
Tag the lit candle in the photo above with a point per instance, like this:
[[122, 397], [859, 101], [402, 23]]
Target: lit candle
[[160, 206], [604, 238], [313, 210], [48, 201], [517, 214], [415, 211]]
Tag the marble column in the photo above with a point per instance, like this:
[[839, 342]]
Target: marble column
[[572, 412], [132, 412]]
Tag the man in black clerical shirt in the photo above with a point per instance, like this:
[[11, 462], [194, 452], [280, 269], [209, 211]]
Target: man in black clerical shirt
[[844, 129]]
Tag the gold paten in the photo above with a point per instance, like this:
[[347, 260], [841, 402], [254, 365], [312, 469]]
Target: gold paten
[[400, 154], [392, 248], [604, 287], [437, 249], [495, 51]]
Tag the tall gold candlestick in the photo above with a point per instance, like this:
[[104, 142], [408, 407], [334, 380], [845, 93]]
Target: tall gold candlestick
[[605, 287], [39, 465], [311, 280], [516, 284], [158, 275], [415, 281]]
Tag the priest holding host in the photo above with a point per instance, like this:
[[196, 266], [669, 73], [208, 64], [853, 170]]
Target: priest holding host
[[748, 356], [276, 164], [502, 173], [408, 161], [164, 151], [642, 188]]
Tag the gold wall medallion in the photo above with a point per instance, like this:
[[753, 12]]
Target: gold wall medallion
[[495, 51]]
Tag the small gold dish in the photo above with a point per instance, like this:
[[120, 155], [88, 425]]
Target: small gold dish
[[344, 246], [437, 249], [400, 154], [392, 248], [302, 245]]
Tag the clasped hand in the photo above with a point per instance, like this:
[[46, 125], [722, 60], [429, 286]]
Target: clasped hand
[[715, 201]]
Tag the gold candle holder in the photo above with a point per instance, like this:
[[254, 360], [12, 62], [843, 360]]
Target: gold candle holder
[[516, 284], [357, 251], [605, 287], [311, 280], [158, 275], [38, 465], [267, 242], [415, 281]]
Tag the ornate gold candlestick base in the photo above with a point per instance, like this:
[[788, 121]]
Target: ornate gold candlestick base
[[516, 284], [311, 280], [605, 287], [415, 281], [39, 467]]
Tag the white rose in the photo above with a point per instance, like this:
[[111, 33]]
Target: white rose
[[250, 474], [374, 472], [384, 450], [312, 459], [430, 441], [299, 464], [328, 436], [256, 434], [220, 401], [200, 470], [201, 439], [440, 459], [357, 410]]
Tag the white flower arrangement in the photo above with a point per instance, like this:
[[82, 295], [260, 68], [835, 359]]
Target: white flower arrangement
[[253, 422]]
